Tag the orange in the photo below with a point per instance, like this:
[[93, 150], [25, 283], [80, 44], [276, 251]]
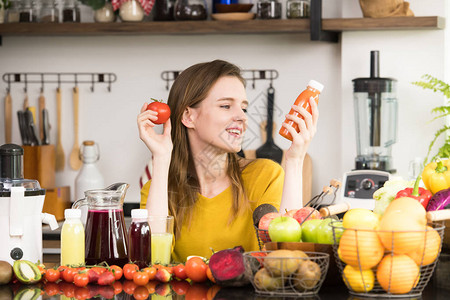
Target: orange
[[397, 273], [360, 248], [432, 246]]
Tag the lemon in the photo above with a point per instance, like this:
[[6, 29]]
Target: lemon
[[360, 218], [358, 281]]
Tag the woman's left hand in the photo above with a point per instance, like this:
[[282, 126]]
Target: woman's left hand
[[308, 128]]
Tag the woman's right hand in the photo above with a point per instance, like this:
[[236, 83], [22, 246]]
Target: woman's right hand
[[159, 144]]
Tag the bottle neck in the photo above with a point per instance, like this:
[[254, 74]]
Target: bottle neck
[[315, 91]]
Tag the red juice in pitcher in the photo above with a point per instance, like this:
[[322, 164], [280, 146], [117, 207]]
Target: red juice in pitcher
[[139, 238], [106, 238]]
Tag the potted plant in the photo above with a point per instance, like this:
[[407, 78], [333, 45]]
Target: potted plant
[[103, 10], [4, 5], [436, 85]]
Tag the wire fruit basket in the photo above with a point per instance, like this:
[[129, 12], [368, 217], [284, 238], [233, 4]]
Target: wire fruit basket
[[369, 269], [286, 272]]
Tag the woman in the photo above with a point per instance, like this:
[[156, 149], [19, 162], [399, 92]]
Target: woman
[[197, 176]]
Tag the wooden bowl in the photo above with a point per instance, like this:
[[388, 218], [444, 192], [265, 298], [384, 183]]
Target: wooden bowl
[[230, 8]]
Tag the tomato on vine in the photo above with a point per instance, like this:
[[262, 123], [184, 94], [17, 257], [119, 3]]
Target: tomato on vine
[[196, 269]]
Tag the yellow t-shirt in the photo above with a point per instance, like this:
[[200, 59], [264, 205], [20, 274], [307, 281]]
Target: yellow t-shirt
[[263, 182]]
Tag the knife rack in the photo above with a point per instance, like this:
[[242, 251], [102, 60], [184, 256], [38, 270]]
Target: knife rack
[[39, 164], [59, 78], [249, 75]]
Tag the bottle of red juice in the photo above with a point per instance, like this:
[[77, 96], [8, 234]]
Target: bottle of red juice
[[139, 238]]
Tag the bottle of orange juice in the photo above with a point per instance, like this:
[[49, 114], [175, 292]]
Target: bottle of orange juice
[[313, 89]]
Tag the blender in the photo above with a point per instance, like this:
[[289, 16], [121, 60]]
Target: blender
[[21, 203], [376, 109]]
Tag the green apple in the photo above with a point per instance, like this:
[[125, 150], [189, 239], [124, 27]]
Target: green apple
[[324, 232], [285, 229], [309, 230]]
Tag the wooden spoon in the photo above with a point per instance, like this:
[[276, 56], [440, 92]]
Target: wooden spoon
[[74, 159], [8, 118], [60, 156]]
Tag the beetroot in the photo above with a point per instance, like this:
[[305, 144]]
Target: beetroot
[[228, 268]]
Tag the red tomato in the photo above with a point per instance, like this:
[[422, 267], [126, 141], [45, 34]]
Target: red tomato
[[68, 290], [69, 274], [129, 270], [140, 293], [151, 271], [129, 286], [52, 275], [42, 269], [140, 278], [81, 279], [162, 109], [51, 289], [180, 287], [197, 291], [180, 271], [99, 270], [196, 269], [117, 271], [117, 287], [210, 275], [82, 293]]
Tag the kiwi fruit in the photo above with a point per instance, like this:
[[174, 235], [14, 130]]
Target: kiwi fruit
[[26, 272], [5, 272]]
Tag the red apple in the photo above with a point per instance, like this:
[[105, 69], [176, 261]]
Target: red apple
[[266, 219], [285, 229], [290, 213], [302, 214]]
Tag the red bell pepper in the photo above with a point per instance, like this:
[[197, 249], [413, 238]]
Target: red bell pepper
[[421, 194]]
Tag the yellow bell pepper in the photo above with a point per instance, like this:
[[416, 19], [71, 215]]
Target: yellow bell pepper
[[436, 175]]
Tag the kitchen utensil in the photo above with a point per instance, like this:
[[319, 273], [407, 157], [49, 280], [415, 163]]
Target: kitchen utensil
[[23, 127], [106, 236], [46, 128], [74, 159], [269, 149], [25, 101], [41, 108], [8, 118], [60, 156], [21, 202], [31, 128]]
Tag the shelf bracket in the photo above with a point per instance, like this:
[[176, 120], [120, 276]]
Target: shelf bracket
[[315, 17]]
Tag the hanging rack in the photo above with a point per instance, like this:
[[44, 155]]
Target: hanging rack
[[44, 78], [249, 75]]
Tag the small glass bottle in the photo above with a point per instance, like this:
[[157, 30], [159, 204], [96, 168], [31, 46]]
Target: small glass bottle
[[71, 11], [131, 11], [13, 12], [28, 11], [49, 12], [139, 237], [105, 14], [297, 9], [72, 239], [192, 10], [269, 9]]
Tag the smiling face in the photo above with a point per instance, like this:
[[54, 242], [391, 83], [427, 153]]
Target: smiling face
[[220, 119]]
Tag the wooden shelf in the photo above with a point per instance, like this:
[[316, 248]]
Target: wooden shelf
[[218, 27]]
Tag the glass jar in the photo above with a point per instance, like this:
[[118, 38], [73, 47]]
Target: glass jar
[[192, 10], [49, 12], [71, 11], [269, 9], [297, 9], [131, 11], [13, 12], [164, 10], [28, 11], [105, 14]]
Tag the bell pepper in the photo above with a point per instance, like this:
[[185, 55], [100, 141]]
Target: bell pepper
[[436, 175], [422, 195]]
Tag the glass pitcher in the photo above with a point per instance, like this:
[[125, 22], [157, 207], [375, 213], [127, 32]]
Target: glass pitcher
[[106, 235]]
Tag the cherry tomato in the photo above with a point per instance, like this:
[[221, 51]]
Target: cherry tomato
[[129, 270], [117, 287], [151, 271], [129, 286], [52, 275], [61, 270], [82, 293], [69, 274], [140, 293], [99, 270], [196, 269], [162, 109], [197, 291], [117, 271], [81, 279], [51, 288], [42, 269], [140, 278], [180, 272], [68, 290], [151, 286], [210, 275], [180, 287]]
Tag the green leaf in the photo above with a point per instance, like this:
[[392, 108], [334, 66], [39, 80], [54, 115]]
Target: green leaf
[[95, 4]]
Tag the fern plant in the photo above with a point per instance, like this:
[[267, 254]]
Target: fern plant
[[436, 85]]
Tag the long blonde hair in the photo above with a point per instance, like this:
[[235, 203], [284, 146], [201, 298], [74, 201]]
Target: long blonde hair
[[189, 89]]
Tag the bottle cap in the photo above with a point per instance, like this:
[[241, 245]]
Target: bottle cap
[[316, 85], [72, 213], [139, 213]]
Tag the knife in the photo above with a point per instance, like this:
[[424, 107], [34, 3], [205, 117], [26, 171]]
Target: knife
[[46, 128], [32, 130], [22, 127]]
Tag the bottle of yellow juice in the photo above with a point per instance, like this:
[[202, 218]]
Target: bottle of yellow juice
[[72, 239]]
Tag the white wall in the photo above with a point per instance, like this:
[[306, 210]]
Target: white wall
[[110, 118]]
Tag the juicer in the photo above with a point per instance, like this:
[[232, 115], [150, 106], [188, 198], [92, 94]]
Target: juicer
[[21, 203]]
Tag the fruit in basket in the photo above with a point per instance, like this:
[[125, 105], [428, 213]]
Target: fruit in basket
[[262, 210], [324, 232], [306, 213], [228, 268], [360, 281], [407, 218], [360, 248], [266, 219], [282, 261], [307, 277], [309, 227], [264, 281], [285, 229], [360, 218], [429, 252], [397, 273]]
